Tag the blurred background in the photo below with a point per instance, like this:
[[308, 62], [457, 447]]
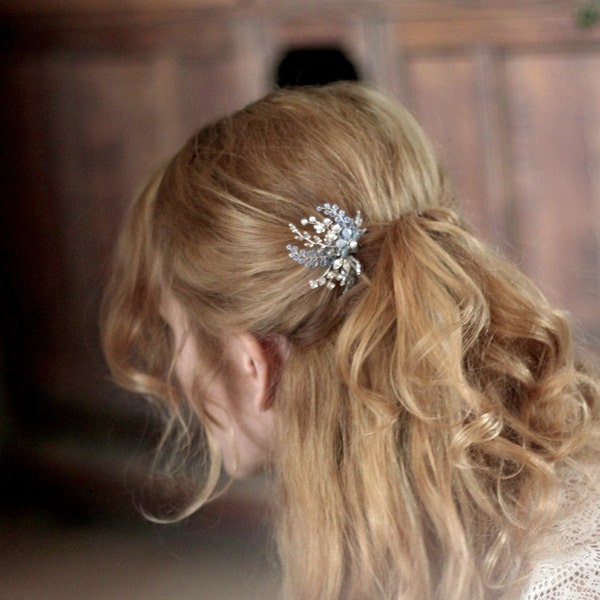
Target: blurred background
[[97, 93]]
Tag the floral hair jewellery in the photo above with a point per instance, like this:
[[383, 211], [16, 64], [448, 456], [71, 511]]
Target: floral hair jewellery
[[331, 246]]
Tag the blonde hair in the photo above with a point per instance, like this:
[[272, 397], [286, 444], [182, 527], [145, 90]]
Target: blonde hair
[[421, 416]]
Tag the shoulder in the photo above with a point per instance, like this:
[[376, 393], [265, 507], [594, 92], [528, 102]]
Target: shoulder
[[569, 569]]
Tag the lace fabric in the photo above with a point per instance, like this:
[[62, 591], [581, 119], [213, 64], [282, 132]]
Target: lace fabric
[[571, 570]]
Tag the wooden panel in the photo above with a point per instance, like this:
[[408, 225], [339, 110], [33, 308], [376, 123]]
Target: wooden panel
[[29, 227], [119, 120], [201, 35], [556, 174], [589, 81], [108, 112], [99, 6], [208, 91], [510, 93], [93, 106], [423, 26], [89, 124], [453, 98]]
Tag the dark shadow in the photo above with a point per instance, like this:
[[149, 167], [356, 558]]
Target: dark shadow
[[315, 66]]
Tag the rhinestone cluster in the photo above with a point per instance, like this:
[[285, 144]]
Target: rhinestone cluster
[[331, 246]]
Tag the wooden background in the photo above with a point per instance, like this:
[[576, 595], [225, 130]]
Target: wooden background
[[96, 94]]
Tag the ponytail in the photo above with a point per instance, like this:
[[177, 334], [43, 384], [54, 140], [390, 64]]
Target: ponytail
[[430, 423]]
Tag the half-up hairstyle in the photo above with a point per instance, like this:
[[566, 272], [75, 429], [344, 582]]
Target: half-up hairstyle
[[423, 414]]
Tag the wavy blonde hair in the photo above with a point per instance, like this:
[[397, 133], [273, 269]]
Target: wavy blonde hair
[[422, 415]]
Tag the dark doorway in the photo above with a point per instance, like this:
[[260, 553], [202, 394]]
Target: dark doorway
[[315, 66]]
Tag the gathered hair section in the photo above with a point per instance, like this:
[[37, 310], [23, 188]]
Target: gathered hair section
[[432, 424]]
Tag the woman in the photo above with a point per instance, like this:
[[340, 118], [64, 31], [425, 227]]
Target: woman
[[300, 277]]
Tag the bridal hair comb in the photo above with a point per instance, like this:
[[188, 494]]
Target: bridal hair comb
[[331, 246]]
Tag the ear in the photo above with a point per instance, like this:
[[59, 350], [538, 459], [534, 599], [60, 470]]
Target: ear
[[258, 362]]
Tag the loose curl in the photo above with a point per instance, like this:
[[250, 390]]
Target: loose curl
[[423, 415]]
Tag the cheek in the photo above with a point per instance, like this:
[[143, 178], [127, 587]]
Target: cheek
[[244, 437], [186, 364], [219, 420]]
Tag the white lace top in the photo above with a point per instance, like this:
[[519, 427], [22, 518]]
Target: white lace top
[[571, 569]]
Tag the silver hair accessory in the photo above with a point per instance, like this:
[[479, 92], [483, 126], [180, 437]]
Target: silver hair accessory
[[330, 247]]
